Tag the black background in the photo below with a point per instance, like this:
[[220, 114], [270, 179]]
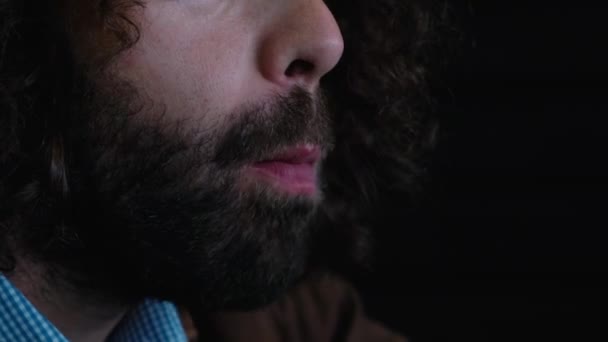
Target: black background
[[511, 244]]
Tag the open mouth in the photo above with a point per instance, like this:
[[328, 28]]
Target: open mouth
[[293, 170]]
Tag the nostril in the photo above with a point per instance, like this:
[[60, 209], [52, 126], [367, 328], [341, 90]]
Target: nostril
[[299, 67]]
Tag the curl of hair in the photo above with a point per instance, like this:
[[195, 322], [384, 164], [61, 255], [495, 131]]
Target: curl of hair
[[384, 125], [379, 92], [37, 77]]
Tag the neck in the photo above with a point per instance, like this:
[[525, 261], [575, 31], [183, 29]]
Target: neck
[[76, 316]]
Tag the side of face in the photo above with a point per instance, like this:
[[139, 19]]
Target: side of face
[[194, 154], [199, 57]]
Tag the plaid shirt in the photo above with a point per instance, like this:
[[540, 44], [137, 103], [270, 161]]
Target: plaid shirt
[[151, 321]]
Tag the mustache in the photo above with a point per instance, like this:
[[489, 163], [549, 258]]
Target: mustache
[[298, 118]]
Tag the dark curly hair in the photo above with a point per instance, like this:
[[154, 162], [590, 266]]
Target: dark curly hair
[[378, 91]]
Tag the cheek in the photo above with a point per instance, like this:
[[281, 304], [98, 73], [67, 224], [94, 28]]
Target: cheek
[[193, 70]]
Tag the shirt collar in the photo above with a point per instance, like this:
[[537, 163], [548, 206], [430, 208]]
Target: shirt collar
[[151, 321]]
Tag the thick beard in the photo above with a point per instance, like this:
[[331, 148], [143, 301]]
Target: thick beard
[[158, 208]]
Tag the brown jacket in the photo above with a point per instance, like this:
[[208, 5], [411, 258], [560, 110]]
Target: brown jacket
[[325, 309]]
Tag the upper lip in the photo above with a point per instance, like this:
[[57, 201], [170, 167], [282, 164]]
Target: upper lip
[[301, 154]]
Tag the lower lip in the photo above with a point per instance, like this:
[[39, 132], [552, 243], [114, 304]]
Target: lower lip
[[296, 179]]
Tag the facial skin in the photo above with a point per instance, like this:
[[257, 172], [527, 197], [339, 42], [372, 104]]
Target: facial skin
[[213, 56], [204, 60], [196, 153]]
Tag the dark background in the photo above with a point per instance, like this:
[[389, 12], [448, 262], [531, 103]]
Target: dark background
[[510, 244]]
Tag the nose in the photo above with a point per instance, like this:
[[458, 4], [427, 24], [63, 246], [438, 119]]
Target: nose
[[301, 46]]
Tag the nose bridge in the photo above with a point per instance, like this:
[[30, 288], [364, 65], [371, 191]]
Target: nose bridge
[[307, 39]]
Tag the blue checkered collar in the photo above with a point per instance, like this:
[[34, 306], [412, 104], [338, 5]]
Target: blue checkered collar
[[151, 321]]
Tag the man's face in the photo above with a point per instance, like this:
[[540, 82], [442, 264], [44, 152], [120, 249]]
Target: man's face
[[199, 159], [200, 57], [207, 61]]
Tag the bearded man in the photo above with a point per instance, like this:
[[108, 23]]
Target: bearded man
[[217, 155]]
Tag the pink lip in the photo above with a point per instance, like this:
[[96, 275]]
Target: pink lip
[[306, 154], [293, 170]]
